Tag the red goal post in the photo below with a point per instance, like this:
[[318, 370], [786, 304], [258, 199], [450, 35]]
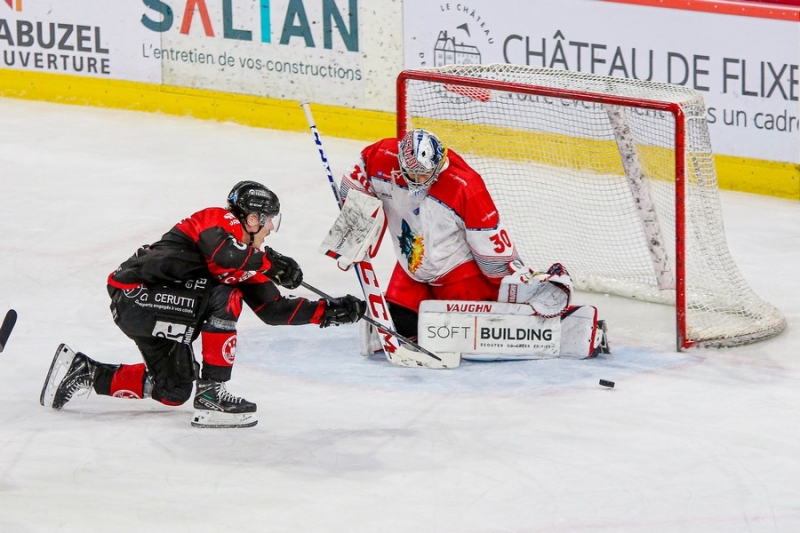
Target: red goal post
[[612, 177]]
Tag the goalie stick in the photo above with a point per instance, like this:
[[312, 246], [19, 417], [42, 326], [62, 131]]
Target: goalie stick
[[377, 324], [377, 308], [5, 329]]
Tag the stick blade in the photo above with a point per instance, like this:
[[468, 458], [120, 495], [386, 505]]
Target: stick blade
[[403, 356], [5, 329]]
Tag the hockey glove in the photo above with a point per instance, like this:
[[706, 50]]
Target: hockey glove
[[284, 270], [345, 310], [548, 293], [552, 291]]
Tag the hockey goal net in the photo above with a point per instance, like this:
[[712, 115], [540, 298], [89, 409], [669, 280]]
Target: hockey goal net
[[612, 177]]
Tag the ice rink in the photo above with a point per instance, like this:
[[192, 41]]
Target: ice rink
[[703, 441]]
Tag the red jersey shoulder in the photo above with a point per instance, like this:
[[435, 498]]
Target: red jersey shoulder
[[208, 218], [380, 159], [463, 189], [462, 176], [382, 148]]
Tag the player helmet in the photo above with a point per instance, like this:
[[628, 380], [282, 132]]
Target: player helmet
[[250, 197], [422, 156]]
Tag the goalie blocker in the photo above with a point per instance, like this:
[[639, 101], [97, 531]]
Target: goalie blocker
[[357, 230]]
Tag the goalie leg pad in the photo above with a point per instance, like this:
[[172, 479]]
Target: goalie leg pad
[[487, 331], [494, 331], [582, 334]]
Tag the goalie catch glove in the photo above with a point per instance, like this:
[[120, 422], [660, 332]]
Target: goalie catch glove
[[345, 310], [548, 293], [284, 270], [555, 289]]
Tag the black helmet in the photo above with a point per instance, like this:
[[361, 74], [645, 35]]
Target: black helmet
[[248, 197]]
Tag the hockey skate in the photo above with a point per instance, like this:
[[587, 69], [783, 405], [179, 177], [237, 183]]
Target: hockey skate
[[70, 373], [215, 407]]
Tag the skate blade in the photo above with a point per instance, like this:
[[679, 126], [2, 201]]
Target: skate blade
[[58, 369], [215, 419]]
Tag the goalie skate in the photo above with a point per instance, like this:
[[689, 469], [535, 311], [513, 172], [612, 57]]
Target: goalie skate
[[601, 345], [215, 407]]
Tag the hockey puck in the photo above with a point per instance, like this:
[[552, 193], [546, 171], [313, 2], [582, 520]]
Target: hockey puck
[[606, 383]]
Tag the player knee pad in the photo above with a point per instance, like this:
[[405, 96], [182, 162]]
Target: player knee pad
[[171, 393], [174, 382]]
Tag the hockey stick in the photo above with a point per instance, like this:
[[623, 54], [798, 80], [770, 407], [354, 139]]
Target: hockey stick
[[377, 307], [5, 329], [375, 323]]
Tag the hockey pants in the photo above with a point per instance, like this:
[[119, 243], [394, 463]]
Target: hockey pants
[[163, 321]]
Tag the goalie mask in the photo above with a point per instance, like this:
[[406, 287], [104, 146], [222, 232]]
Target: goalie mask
[[422, 157], [250, 197]]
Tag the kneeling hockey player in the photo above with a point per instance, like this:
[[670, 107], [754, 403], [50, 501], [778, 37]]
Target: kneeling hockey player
[[192, 283], [451, 245]]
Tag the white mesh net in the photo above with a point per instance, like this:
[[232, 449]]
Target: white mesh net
[[586, 176]]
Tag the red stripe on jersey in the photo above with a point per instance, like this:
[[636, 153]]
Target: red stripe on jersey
[[122, 286], [296, 309], [317, 318], [234, 306]]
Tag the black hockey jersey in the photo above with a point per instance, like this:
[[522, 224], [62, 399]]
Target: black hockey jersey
[[208, 244]]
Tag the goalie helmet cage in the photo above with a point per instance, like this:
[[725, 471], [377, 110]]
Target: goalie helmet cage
[[612, 177]]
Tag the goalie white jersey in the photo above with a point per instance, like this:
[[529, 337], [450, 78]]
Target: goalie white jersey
[[438, 228]]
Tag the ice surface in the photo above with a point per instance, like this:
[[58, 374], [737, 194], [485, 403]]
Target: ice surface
[[705, 441]]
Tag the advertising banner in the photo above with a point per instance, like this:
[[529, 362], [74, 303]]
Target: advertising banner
[[78, 37], [748, 69], [286, 49]]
